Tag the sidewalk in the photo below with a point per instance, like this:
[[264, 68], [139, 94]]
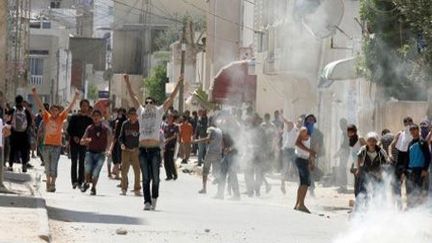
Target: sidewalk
[[25, 216]]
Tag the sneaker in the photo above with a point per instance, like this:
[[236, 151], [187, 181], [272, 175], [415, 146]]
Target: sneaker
[[29, 166], [235, 198], [52, 189], [283, 189], [137, 193], [219, 197], [123, 193], [75, 185], [147, 206], [168, 178], [268, 188], [154, 203], [175, 178], [93, 191], [85, 187], [202, 191]]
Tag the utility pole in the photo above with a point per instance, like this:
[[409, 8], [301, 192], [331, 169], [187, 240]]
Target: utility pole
[[182, 67], [3, 33], [3, 40]]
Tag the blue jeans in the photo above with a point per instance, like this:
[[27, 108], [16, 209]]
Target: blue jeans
[[150, 161], [51, 159], [93, 163], [201, 152]]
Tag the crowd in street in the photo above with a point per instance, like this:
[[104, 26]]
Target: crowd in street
[[148, 137]]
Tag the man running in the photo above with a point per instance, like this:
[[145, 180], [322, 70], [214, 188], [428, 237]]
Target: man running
[[213, 157], [355, 143], [97, 138], [186, 136], [116, 154], [53, 121], [417, 167], [401, 143], [171, 132], [76, 129], [370, 161], [129, 143], [150, 120], [21, 123], [289, 139]]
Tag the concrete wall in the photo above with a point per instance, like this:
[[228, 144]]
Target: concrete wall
[[391, 114], [119, 89], [223, 36]]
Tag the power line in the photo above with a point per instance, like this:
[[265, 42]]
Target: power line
[[249, 2], [218, 16], [148, 12]]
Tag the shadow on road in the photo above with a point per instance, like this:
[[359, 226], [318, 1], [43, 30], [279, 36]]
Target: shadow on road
[[18, 201], [65, 215]]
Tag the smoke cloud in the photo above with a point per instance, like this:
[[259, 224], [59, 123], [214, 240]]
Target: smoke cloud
[[380, 219]]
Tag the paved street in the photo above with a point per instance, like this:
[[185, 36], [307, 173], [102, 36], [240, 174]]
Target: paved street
[[185, 216]]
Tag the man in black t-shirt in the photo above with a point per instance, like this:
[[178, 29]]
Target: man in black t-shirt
[[76, 128], [171, 132]]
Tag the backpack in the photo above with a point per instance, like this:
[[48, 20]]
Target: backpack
[[20, 120]]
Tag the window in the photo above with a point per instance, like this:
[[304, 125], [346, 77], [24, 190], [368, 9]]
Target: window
[[36, 70], [55, 3]]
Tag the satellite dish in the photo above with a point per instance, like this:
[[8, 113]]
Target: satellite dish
[[320, 17]]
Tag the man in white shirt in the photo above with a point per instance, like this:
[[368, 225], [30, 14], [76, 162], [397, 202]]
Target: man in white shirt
[[150, 120], [289, 138]]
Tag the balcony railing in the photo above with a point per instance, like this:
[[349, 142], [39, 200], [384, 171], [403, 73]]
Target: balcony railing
[[36, 80]]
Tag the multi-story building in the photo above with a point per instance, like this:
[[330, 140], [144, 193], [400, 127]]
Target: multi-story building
[[230, 38], [295, 43], [50, 60], [136, 26]]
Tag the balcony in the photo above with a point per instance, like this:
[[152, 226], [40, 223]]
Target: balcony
[[36, 80]]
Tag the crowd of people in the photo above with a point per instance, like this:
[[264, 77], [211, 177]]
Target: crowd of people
[[147, 137]]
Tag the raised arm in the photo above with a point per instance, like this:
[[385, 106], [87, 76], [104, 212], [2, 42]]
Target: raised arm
[[134, 98], [38, 100], [75, 98], [169, 102]]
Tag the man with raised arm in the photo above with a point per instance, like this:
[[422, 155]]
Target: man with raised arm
[[53, 121], [150, 119]]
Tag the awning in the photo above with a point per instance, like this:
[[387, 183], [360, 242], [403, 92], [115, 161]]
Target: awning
[[344, 69], [234, 85]]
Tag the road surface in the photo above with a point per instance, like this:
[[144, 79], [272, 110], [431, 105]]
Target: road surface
[[183, 215]]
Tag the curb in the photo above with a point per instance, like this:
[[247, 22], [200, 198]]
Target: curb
[[44, 230]]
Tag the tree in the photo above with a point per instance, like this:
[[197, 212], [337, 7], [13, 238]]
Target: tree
[[163, 39], [92, 92], [155, 84], [394, 49]]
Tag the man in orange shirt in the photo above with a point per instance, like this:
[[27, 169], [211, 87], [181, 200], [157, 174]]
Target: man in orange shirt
[[53, 122], [186, 135]]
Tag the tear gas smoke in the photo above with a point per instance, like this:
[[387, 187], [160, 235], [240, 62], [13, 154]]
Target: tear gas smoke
[[380, 219]]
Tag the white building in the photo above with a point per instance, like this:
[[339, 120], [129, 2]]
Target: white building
[[50, 60]]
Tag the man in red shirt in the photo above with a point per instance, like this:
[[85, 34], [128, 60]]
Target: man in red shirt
[[186, 135]]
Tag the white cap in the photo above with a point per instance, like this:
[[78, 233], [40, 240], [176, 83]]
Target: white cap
[[372, 135]]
